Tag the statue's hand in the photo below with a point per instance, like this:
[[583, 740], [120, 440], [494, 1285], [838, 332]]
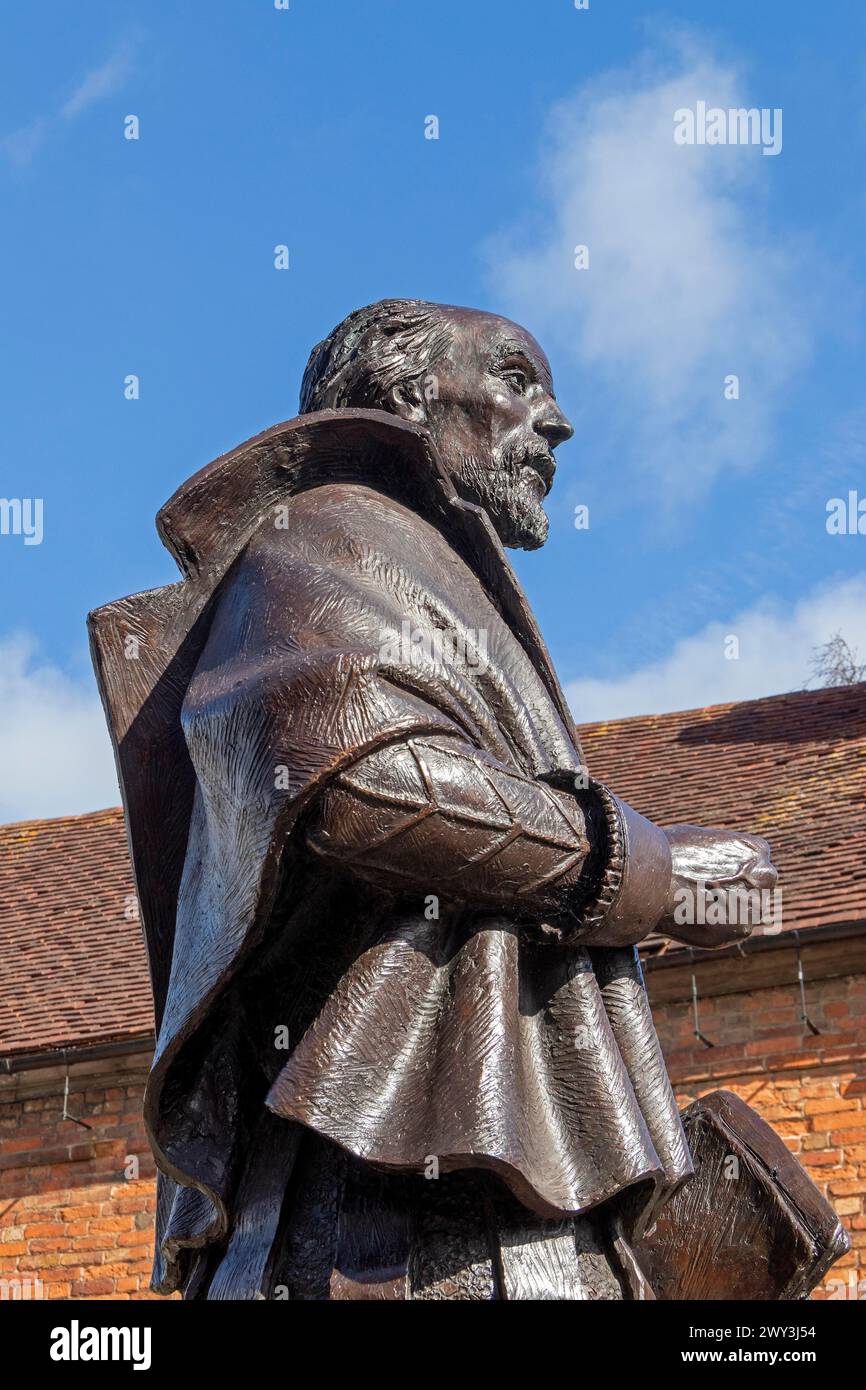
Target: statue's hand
[[721, 888]]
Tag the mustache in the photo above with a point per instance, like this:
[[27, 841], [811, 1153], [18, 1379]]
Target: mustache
[[539, 459], [511, 461]]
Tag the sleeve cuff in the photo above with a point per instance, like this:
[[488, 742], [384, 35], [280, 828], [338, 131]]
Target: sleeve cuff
[[632, 883]]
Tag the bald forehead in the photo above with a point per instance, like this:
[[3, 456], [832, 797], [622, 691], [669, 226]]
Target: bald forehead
[[499, 339]]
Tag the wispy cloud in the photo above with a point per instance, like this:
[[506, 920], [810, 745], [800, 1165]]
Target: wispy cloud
[[22, 145], [775, 646], [54, 747], [100, 82], [687, 284]]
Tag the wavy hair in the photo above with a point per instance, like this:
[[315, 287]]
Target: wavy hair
[[373, 350]]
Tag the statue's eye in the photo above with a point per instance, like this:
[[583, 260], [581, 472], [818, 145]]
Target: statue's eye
[[517, 378]]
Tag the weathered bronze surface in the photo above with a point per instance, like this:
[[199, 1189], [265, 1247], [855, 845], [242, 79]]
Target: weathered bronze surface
[[404, 1046]]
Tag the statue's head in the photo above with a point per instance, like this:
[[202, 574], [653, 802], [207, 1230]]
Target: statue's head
[[480, 384]]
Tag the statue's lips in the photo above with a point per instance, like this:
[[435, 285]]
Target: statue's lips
[[542, 467]]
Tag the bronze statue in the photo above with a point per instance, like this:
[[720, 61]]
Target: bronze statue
[[404, 1045]]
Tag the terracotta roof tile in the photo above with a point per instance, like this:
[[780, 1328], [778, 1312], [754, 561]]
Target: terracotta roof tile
[[790, 767], [73, 968]]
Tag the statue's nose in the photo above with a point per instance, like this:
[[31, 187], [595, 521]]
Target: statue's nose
[[552, 425]]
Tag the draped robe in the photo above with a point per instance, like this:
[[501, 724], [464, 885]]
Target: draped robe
[[275, 663]]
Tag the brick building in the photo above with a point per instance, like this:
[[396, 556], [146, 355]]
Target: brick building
[[781, 1019]]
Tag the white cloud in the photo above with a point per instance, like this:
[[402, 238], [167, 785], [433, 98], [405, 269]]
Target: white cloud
[[776, 643], [22, 145], [685, 284], [55, 753], [99, 83]]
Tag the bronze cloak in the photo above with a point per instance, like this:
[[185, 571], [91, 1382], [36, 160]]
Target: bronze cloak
[[279, 659]]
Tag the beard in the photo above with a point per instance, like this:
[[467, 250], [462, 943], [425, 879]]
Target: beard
[[511, 491]]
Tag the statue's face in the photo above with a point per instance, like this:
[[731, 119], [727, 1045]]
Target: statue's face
[[494, 419]]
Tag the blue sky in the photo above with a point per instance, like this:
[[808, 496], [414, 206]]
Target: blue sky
[[305, 127]]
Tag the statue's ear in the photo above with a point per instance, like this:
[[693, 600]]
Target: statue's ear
[[406, 399]]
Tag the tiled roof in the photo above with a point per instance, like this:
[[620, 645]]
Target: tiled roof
[[792, 767], [73, 968]]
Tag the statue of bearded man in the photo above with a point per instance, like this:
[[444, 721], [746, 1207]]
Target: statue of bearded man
[[404, 1045]]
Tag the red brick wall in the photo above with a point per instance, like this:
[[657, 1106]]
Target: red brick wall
[[76, 1205], [70, 1217], [811, 1089]]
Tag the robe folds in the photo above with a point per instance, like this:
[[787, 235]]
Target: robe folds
[[281, 989]]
